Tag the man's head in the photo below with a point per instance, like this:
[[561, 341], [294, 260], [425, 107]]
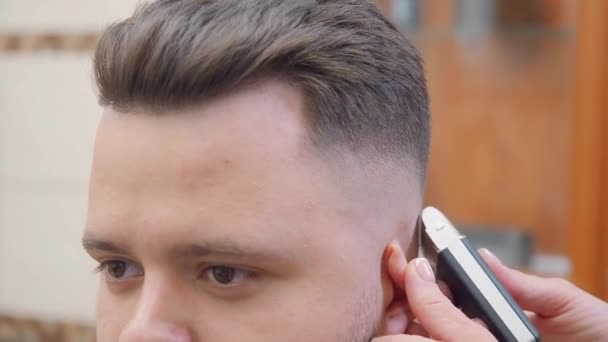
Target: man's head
[[253, 160]]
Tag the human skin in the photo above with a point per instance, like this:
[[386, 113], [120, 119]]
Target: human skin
[[222, 222], [560, 310]]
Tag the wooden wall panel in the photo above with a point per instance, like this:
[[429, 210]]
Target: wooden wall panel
[[501, 108], [588, 236], [500, 148], [518, 140], [385, 6], [439, 15]]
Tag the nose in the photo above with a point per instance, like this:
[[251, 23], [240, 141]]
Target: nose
[[158, 316], [155, 333]]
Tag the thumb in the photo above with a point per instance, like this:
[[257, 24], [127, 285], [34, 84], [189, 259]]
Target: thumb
[[544, 296], [441, 319]]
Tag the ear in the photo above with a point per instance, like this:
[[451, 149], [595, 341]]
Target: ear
[[395, 317]]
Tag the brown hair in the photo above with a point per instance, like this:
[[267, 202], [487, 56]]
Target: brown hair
[[364, 82]]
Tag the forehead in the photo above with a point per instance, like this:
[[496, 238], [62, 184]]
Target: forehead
[[255, 126], [236, 166]]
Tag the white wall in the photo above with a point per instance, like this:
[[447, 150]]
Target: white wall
[[62, 15], [48, 114]]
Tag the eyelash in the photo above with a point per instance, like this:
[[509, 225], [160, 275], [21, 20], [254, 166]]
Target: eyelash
[[104, 267], [205, 273]]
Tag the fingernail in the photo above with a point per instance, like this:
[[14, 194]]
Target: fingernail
[[423, 268], [489, 254]]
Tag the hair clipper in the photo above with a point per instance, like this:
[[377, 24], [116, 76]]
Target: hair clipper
[[476, 289]]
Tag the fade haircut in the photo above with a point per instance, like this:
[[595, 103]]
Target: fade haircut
[[362, 80]]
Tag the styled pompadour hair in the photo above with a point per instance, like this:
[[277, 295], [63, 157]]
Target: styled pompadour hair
[[363, 81]]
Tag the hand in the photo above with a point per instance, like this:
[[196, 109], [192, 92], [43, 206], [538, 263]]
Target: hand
[[436, 315], [561, 311]]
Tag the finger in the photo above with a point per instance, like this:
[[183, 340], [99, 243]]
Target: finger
[[480, 323], [530, 314], [441, 319], [443, 287], [401, 338], [534, 318], [544, 296]]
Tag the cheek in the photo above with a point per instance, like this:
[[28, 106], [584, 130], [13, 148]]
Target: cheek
[[315, 311], [339, 313], [296, 310], [112, 316]]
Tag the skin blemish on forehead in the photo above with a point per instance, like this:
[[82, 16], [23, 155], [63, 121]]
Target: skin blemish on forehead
[[203, 169]]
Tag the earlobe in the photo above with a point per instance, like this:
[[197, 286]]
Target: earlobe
[[395, 320], [395, 315]]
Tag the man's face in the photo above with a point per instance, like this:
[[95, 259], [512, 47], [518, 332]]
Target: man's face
[[219, 224]]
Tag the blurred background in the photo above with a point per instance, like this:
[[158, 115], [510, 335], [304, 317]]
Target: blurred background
[[519, 160]]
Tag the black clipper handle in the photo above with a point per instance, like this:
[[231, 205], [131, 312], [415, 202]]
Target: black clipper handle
[[455, 269]]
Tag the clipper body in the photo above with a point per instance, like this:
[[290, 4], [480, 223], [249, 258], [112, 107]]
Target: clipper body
[[476, 289]]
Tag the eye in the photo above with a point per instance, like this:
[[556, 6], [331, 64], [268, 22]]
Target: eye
[[119, 270], [226, 276]]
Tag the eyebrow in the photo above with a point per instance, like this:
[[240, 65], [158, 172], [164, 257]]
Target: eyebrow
[[93, 244], [223, 249], [194, 250]]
